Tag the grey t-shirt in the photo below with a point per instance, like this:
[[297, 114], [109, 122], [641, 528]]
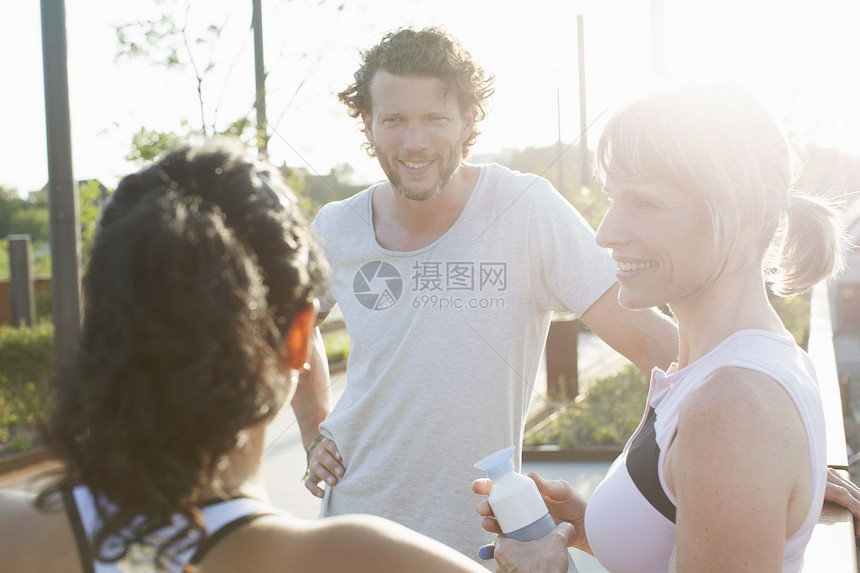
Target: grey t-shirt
[[445, 344]]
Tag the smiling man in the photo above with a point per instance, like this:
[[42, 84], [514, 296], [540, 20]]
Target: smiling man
[[418, 131], [447, 275]]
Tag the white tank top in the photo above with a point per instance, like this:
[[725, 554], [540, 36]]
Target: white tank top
[[220, 518], [630, 518]]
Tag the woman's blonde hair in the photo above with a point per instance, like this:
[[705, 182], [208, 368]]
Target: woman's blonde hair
[[717, 141]]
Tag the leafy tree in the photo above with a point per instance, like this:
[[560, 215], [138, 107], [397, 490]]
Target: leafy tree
[[148, 144], [10, 206], [9, 202], [30, 220], [30, 216], [19, 216], [92, 197], [169, 40]]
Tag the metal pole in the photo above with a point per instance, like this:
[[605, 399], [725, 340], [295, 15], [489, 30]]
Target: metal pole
[[583, 121], [21, 281], [63, 208], [260, 74]]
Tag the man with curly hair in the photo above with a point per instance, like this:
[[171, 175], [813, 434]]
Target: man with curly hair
[[447, 275]]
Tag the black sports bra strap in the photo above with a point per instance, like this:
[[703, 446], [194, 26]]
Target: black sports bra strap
[[85, 551], [643, 459], [210, 540]]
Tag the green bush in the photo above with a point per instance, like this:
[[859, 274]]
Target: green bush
[[26, 364], [336, 345], [607, 415]]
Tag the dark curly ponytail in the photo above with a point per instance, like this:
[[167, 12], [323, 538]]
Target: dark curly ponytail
[[197, 268]]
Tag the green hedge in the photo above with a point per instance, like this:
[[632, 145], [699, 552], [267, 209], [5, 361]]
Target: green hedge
[[26, 364], [607, 415], [336, 346]]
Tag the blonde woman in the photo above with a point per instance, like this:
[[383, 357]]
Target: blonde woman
[[727, 470]]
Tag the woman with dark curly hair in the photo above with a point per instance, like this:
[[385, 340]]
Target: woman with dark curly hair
[[199, 310]]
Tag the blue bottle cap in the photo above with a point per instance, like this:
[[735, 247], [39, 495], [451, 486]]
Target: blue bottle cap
[[499, 463]]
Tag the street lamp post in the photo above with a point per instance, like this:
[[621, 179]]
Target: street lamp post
[[63, 210]]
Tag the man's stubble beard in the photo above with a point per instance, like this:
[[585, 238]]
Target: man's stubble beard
[[449, 168]]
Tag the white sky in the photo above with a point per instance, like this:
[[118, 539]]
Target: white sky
[[800, 56]]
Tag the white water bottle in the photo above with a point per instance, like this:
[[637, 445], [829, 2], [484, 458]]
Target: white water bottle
[[516, 501]]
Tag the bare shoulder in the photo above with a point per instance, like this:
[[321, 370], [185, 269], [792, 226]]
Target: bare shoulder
[[357, 543], [739, 417], [734, 393], [739, 467]]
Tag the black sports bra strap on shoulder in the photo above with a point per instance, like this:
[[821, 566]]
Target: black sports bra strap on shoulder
[[85, 551], [643, 460], [210, 540]]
